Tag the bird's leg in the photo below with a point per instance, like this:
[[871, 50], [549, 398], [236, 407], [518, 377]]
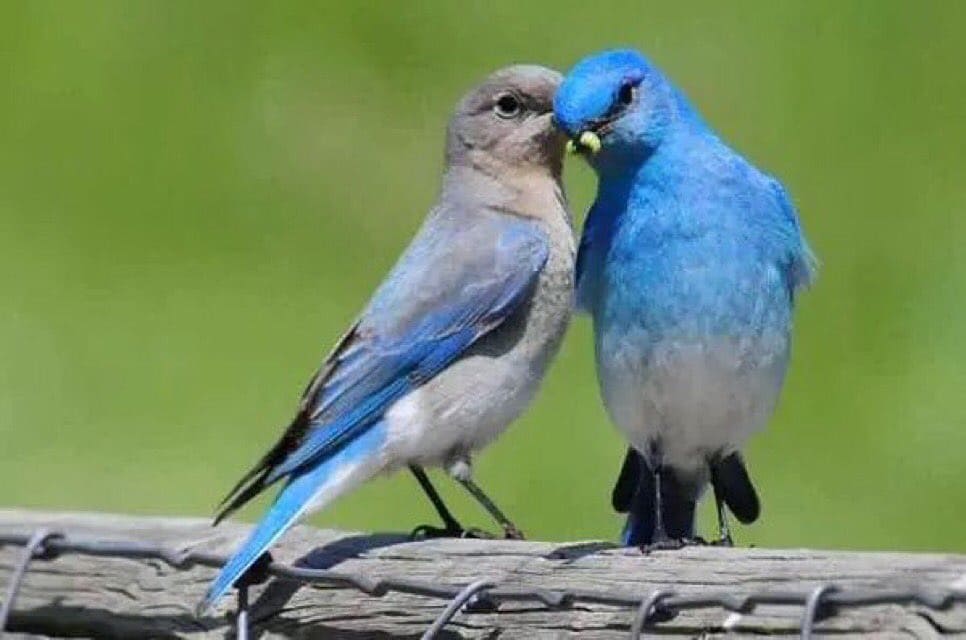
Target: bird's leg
[[462, 473], [510, 530], [451, 526], [660, 539], [724, 531]]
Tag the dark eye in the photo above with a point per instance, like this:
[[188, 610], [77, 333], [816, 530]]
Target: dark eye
[[625, 96], [507, 106]]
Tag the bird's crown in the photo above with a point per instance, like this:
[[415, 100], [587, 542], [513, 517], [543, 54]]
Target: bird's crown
[[598, 87]]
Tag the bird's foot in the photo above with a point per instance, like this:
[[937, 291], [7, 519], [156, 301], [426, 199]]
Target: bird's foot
[[667, 544], [429, 532], [723, 541], [511, 532], [672, 544]]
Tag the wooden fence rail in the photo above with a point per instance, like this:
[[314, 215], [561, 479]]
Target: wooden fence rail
[[91, 596]]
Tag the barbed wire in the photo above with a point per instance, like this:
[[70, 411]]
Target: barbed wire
[[652, 608]]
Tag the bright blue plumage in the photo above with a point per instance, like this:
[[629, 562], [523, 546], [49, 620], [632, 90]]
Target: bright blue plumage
[[289, 506], [689, 263]]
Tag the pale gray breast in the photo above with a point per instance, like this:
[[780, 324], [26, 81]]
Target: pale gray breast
[[478, 396]]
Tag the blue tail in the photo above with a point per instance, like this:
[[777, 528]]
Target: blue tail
[[639, 506], [300, 492]]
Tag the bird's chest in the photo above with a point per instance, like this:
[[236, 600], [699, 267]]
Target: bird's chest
[[691, 336], [471, 402], [669, 277], [682, 302]]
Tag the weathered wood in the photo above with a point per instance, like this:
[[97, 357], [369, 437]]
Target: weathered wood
[[87, 596]]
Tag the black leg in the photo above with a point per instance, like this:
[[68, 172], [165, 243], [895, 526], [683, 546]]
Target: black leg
[[510, 530], [660, 533], [667, 496], [660, 539], [724, 531], [451, 526]]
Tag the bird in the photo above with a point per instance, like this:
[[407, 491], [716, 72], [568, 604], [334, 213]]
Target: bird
[[454, 343], [689, 263]]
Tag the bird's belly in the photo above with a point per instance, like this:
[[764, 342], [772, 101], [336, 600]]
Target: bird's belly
[[686, 400], [463, 409], [471, 402], [474, 400]]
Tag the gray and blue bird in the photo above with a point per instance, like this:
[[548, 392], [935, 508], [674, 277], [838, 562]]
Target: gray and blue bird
[[690, 263], [455, 342]]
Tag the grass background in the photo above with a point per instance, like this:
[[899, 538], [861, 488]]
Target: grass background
[[196, 198]]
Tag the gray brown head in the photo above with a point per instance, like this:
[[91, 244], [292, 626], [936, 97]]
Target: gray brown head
[[508, 121]]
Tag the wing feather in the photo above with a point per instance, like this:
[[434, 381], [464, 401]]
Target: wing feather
[[453, 285]]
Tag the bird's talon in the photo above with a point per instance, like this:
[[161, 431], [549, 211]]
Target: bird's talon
[[419, 533], [668, 544], [429, 532], [723, 541], [511, 532], [673, 544]]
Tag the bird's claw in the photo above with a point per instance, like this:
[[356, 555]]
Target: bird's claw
[[668, 544], [723, 541], [429, 532], [511, 532], [673, 544]]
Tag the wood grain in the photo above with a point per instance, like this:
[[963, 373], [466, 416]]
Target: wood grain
[[86, 596]]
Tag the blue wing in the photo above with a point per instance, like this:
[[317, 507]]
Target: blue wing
[[461, 278]]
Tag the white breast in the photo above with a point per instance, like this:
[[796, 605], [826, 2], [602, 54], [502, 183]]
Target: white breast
[[691, 400]]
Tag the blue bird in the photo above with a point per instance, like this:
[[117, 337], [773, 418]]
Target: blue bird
[[690, 262], [455, 342]]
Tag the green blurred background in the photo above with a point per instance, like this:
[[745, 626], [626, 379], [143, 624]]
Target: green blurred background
[[196, 198]]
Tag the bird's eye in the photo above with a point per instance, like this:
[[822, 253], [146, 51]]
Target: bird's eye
[[507, 106], [625, 96]]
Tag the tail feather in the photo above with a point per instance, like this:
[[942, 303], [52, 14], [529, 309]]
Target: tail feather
[[627, 481], [313, 488], [678, 504], [256, 479], [731, 481], [639, 525]]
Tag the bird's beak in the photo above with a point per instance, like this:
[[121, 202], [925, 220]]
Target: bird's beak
[[587, 141]]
